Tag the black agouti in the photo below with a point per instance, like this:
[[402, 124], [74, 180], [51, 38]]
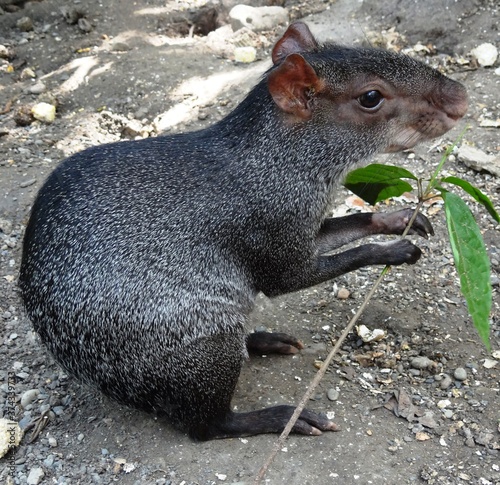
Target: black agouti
[[142, 259]]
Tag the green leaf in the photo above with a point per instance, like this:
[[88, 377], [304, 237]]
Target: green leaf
[[377, 182], [471, 261], [475, 193]]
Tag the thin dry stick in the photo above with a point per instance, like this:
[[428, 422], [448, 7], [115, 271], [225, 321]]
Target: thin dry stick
[[321, 372]]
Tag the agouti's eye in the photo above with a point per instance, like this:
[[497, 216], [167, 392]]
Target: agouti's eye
[[371, 99]]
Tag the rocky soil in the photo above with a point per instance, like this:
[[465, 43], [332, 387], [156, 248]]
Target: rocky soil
[[421, 405]]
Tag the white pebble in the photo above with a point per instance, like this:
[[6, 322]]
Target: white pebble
[[245, 54], [257, 18], [35, 476], [486, 54], [28, 397], [10, 434], [44, 112]]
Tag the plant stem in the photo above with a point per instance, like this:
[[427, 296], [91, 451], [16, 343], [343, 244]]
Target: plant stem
[[321, 372], [434, 179]]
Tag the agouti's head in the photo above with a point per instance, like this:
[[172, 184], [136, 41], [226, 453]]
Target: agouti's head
[[391, 96]]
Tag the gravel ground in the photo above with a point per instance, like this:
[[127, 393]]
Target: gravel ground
[[419, 406]]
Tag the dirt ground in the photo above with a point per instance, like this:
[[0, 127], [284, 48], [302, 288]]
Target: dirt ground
[[119, 69]]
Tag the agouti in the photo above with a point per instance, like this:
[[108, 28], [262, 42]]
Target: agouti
[[142, 259]]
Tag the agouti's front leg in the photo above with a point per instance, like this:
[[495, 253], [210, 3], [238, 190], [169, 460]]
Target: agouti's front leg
[[336, 232]]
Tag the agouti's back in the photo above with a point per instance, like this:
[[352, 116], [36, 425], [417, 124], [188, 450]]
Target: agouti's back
[[142, 259]]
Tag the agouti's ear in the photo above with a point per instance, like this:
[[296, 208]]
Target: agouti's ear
[[297, 38], [291, 85]]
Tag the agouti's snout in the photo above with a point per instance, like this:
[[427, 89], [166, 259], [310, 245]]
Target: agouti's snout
[[451, 98]]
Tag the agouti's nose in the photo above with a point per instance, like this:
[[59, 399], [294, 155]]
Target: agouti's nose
[[451, 97]]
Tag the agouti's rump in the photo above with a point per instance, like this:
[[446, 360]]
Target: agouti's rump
[[142, 259]]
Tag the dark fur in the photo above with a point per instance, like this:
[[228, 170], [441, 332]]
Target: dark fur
[[142, 259]]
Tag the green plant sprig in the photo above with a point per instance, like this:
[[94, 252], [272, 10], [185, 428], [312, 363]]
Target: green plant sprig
[[375, 183]]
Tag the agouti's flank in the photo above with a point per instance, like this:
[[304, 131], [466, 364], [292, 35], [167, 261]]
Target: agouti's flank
[[142, 259]]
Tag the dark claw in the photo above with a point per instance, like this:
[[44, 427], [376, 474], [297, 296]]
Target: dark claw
[[311, 423], [421, 226]]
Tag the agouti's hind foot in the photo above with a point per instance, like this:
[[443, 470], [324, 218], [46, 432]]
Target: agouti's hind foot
[[269, 420], [273, 343]]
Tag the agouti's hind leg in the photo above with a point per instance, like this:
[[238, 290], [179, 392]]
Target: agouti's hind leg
[[273, 343], [203, 385]]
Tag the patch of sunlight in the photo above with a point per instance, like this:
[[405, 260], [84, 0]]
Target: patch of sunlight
[[82, 68], [179, 6], [200, 91]]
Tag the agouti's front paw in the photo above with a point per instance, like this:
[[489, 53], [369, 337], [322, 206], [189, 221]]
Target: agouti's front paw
[[401, 251], [396, 222]]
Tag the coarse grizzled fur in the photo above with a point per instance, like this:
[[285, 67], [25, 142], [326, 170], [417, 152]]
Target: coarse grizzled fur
[[142, 259]]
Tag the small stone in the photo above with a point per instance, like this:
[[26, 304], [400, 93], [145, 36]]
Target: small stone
[[44, 112], [71, 14], [332, 394], [490, 363], [421, 362], [245, 54], [486, 54], [29, 396], [446, 382], [80, 437], [5, 226], [484, 438], [133, 128], [52, 442], [368, 335], [203, 115], [422, 436], [6, 52], [479, 160], [10, 435], [27, 183], [58, 410], [28, 73], [257, 18], [25, 24], [35, 476], [120, 46], [84, 25], [460, 374], [343, 294], [37, 88]]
